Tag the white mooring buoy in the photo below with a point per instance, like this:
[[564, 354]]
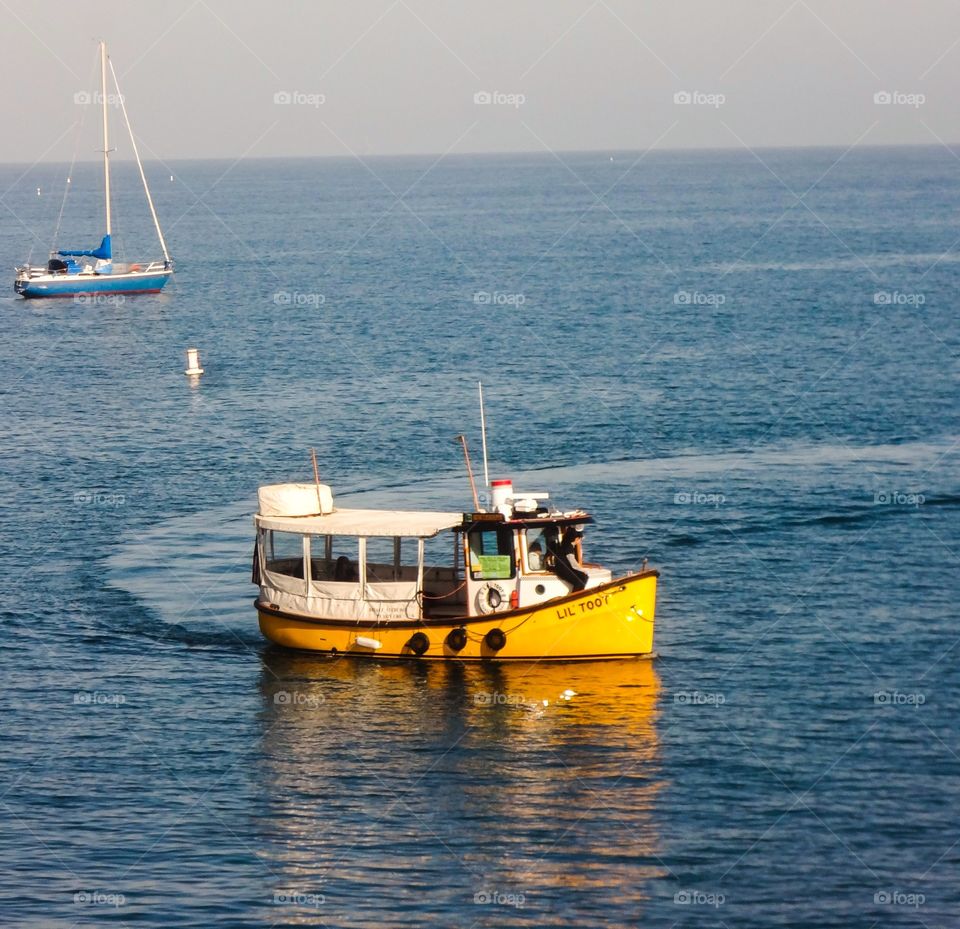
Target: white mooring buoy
[[193, 363]]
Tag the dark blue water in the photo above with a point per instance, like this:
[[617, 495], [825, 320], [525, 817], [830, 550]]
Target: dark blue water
[[746, 368]]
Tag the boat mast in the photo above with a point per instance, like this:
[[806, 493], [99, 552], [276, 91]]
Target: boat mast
[[462, 439], [106, 130]]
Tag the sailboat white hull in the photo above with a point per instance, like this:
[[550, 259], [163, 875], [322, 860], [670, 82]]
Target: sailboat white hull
[[45, 284]]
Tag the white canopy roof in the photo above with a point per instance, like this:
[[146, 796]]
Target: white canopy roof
[[415, 523]]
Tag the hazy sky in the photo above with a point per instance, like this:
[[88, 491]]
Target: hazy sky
[[207, 78]]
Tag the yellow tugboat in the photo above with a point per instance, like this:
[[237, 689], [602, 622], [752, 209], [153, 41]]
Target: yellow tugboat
[[505, 583]]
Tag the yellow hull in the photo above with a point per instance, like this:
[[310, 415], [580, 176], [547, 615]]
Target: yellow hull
[[615, 620]]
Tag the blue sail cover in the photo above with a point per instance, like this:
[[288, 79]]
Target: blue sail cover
[[104, 251]]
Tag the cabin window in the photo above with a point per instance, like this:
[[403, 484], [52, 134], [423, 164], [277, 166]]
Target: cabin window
[[334, 558], [391, 559], [283, 552], [538, 543], [443, 555], [491, 553]]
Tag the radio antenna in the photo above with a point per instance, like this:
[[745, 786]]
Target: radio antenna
[[483, 435], [462, 439]]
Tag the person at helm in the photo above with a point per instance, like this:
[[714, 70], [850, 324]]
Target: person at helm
[[566, 564]]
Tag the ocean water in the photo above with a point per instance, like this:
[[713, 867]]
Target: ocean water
[[746, 367]]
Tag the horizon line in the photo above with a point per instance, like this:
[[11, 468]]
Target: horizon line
[[726, 149]]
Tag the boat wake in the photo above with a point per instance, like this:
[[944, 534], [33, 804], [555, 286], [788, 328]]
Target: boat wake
[[194, 571], [918, 455], [922, 260]]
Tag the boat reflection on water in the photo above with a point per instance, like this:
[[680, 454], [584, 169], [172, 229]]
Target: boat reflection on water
[[461, 785]]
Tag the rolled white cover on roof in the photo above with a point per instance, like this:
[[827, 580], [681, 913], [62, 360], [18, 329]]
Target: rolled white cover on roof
[[295, 500]]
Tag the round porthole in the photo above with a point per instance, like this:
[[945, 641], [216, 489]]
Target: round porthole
[[540, 590]]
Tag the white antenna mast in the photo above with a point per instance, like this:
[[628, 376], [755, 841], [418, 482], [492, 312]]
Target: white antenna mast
[[483, 434]]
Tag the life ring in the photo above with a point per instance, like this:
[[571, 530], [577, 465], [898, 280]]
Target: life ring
[[489, 598], [457, 639], [418, 643]]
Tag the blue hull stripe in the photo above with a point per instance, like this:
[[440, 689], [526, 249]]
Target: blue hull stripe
[[72, 285]]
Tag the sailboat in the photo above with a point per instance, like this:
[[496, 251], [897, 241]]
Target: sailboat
[[64, 275]]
